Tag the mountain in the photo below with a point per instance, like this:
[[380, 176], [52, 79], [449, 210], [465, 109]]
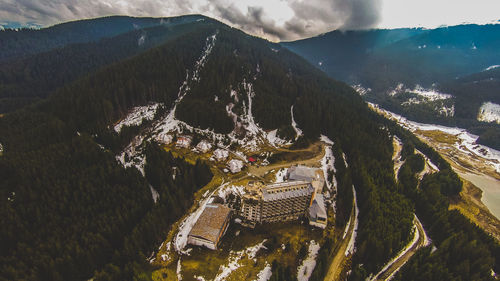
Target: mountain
[[342, 54], [91, 192], [19, 43], [381, 59], [414, 72], [31, 77]]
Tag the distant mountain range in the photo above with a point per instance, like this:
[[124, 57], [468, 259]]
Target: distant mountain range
[[400, 69]]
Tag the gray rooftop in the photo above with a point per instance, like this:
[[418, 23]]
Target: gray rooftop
[[267, 194], [301, 173], [317, 208]]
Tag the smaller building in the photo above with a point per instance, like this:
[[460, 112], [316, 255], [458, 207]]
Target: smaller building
[[301, 173], [164, 138], [183, 141], [304, 173], [317, 212], [204, 146], [221, 154], [235, 166], [210, 226]]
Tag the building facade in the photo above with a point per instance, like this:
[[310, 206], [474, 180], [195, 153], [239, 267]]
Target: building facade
[[276, 202]]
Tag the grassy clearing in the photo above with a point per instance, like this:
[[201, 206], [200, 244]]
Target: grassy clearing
[[438, 136], [207, 263]]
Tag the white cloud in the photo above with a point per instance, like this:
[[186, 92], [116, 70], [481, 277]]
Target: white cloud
[[272, 19], [435, 13]]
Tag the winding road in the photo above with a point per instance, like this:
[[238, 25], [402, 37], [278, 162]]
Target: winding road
[[388, 271]]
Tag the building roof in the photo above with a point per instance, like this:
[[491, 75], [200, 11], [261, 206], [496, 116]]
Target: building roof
[[235, 165], [301, 173], [268, 195], [221, 153], [317, 208], [211, 222], [204, 145]]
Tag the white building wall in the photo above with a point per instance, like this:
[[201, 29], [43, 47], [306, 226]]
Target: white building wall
[[201, 242]]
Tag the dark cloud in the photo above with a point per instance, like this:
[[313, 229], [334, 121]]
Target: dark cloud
[[304, 18]]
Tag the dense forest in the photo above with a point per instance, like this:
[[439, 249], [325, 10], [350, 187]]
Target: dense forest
[[91, 216], [29, 79], [19, 43], [75, 213], [460, 250]]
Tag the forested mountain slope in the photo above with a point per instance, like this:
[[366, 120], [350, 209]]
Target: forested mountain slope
[[27, 79], [415, 72], [72, 210], [24, 42]]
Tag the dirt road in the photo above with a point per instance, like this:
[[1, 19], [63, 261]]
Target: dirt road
[[340, 259], [398, 263], [314, 161]]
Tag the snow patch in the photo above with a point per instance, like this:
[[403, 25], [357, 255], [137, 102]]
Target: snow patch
[[351, 246], [265, 274], [491, 67], [489, 112], [281, 175], [179, 269], [154, 194], [254, 135], [141, 40], [305, 270], [133, 154], [136, 115], [235, 257], [236, 190], [396, 158], [298, 132], [328, 164], [425, 96], [361, 90]]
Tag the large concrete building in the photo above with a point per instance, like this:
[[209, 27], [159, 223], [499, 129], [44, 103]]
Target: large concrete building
[[210, 226], [276, 202]]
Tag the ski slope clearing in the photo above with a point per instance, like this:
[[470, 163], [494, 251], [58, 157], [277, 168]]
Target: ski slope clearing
[[489, 112], [137, 115]]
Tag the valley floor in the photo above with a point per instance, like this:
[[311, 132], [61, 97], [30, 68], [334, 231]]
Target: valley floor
[[469, 161]]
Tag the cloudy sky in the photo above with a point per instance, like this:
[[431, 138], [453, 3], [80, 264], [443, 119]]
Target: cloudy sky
[[273, 19]]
